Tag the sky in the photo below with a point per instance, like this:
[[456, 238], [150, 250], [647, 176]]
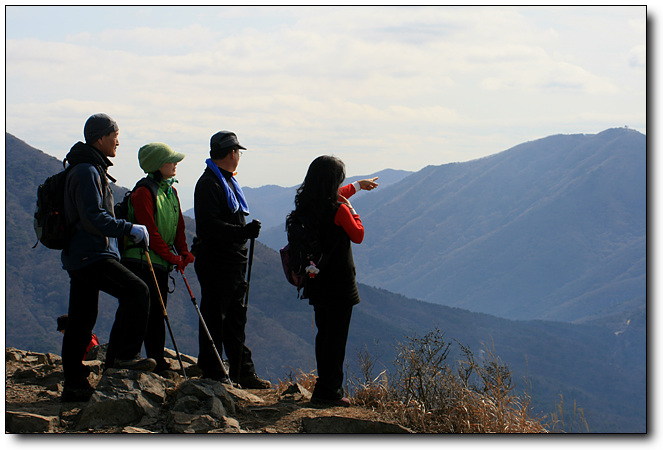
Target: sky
[[378, 86]]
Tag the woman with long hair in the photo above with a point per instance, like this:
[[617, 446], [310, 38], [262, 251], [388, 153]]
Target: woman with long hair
[[323, 204]]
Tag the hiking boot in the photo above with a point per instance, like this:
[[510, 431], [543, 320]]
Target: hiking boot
[[162, 366], [79, 393], [344, 402], [253, 381], [146, 365]]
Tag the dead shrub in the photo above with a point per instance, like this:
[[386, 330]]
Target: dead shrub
[[429, 395]]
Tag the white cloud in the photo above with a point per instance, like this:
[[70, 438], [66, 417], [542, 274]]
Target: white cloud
[[298, 82], [160, 40]]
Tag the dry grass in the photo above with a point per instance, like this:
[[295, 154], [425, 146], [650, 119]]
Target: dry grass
[[306, 379], [426, 395], [574, 424]]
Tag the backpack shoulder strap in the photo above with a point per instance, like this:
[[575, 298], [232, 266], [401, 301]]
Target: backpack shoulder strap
[[105, 176], [151, 186]]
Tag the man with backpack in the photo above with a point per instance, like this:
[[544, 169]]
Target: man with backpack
[[221, 263], [92, 260]]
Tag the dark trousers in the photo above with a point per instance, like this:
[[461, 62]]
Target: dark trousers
[[128, 331], [222, 288], [333, 324], [155, 336]]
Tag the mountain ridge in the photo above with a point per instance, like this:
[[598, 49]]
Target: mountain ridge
[[271, 203], [600, 364], [549, 218]]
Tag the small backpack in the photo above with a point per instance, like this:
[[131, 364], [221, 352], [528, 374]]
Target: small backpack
[[50, 223], [121, 208], [302, 257]]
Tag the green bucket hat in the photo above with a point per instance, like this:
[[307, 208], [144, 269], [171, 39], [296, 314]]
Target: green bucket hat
[[152, 156]]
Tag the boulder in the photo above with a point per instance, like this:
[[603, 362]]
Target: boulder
[[24, 422], [124, 397], [190, 363], [200, 406], [241, 394], [28, 357]]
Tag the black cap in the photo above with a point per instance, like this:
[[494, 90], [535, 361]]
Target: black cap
[[223, 140], [98, 126]]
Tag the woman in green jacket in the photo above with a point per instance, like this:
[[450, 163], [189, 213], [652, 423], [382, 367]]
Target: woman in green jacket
[[162, 215]]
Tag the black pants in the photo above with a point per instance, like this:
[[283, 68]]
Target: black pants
[[128, 331], [333, 324], [222, 288], [155, 336]]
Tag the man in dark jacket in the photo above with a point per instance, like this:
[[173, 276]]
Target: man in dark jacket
[[221, 263], [92, 260]]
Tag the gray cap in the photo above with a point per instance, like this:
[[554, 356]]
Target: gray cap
[[97, 126]]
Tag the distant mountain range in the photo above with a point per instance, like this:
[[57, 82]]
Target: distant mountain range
[[552, 229], [270, 204], [599, 364]]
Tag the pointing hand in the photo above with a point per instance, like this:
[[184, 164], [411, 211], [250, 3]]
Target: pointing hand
[[368, 184]]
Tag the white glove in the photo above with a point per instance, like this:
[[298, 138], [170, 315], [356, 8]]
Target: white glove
[[139, 233]]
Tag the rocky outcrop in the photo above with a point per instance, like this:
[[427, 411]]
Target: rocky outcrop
[[127, 401]]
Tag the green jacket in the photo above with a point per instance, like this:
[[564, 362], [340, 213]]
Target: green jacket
[[166, 217]]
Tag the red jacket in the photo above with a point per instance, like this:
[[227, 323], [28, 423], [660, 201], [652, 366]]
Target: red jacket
[[143, 205], [344, 218]]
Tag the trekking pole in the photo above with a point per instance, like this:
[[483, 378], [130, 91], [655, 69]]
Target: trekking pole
[[202, 321], [163, 308], [248, 275], [245, 302]]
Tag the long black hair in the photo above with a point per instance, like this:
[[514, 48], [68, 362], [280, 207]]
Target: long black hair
[[317, 197]]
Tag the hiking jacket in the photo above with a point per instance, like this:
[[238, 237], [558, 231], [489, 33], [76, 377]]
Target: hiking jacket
[[165, 226], [88, 207], [336, 283], [219, 231]]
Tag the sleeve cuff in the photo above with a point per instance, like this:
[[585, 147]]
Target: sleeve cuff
[[357, 186]]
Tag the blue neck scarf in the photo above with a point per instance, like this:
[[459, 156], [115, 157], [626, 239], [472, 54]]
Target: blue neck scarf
[[235, 202]]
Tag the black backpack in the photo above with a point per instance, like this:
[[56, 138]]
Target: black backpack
[[50, 222], [302, 257]]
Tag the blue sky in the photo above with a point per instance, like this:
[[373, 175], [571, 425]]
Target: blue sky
[[380, 87]]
